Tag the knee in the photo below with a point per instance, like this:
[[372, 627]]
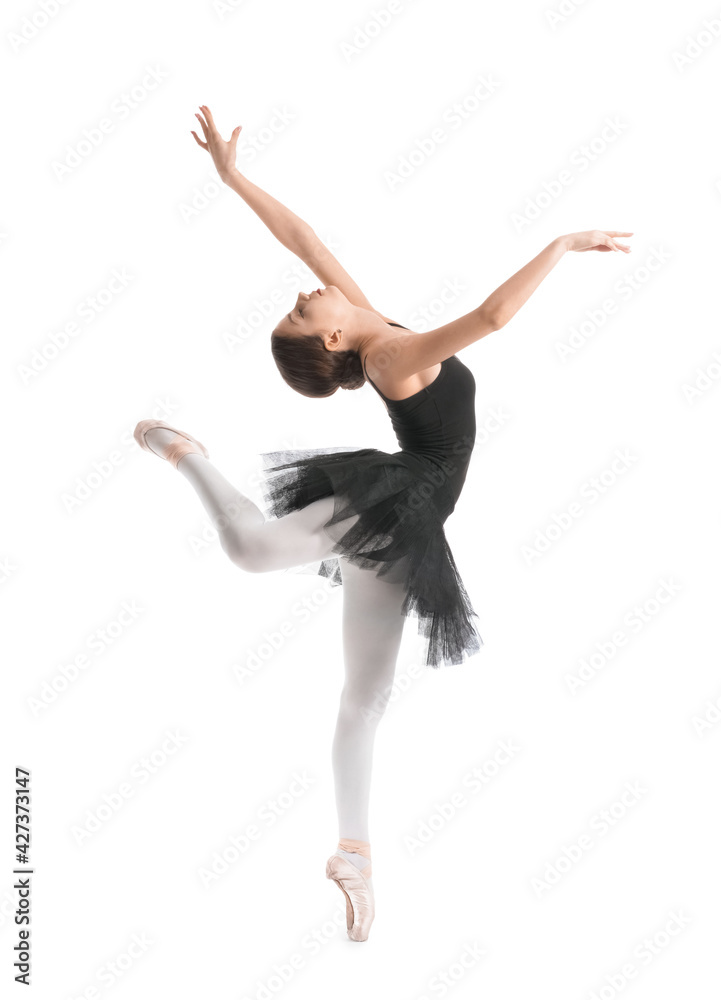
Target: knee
[[247, 552], [363, 705]]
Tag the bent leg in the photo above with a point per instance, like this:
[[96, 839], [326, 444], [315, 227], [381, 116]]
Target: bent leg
[[372, 631], [248, 539]]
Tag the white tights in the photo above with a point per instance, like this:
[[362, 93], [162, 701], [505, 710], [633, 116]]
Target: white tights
[[372, 619]]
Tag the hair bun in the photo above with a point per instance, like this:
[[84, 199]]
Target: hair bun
[[351, 376]]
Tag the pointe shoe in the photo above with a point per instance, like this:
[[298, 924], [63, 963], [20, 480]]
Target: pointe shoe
[[181, 445], [359, 902]]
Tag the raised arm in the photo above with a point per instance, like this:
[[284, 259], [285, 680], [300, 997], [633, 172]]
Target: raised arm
[[411, 353], [288, 228]]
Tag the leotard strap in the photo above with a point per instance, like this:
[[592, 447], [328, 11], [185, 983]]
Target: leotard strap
[[365, 372]]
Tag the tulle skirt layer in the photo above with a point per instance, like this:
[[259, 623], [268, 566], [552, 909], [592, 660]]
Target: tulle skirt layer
[[388, 513]]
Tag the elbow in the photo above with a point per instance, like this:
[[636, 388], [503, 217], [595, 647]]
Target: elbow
[[492, 320]]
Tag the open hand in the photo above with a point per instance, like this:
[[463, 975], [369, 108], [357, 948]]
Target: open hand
[[596, 239], [222, 152]]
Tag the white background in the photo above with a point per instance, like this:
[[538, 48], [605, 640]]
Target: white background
[[336, 103]]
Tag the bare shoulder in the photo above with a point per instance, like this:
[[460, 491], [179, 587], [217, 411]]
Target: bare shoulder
[[384, 371], [407, 354]]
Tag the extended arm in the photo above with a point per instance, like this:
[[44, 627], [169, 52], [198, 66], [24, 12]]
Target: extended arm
[[288, 228], [503, 304], [408, 354], [300, 238]]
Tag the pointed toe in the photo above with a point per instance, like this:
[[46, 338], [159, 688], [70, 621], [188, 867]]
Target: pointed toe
[[181, 445], [360, 904]]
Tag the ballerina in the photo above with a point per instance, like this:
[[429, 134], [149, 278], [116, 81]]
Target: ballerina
[[373, 520]]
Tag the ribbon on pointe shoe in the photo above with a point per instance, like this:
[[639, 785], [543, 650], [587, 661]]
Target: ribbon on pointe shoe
[[361, 847], [182, 444], [178, 448]]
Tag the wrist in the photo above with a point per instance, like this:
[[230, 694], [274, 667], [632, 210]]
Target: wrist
[[562, 242], [229, 175]]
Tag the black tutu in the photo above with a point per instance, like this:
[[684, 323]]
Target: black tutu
[[396, 518]]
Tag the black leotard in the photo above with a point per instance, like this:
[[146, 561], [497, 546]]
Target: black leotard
[[437, 425], [390, 508]]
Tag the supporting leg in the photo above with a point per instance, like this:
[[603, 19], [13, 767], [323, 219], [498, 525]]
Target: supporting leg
[[372, 632]]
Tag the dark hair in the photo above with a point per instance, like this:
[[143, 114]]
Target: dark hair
[[311, 369]]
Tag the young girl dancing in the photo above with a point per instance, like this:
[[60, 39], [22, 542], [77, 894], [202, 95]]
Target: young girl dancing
[[374, 520]]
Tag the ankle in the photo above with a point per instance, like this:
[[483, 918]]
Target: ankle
[[350, 846], [358, 852]]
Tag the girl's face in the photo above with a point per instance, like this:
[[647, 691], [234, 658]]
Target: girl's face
[[320, 311]]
